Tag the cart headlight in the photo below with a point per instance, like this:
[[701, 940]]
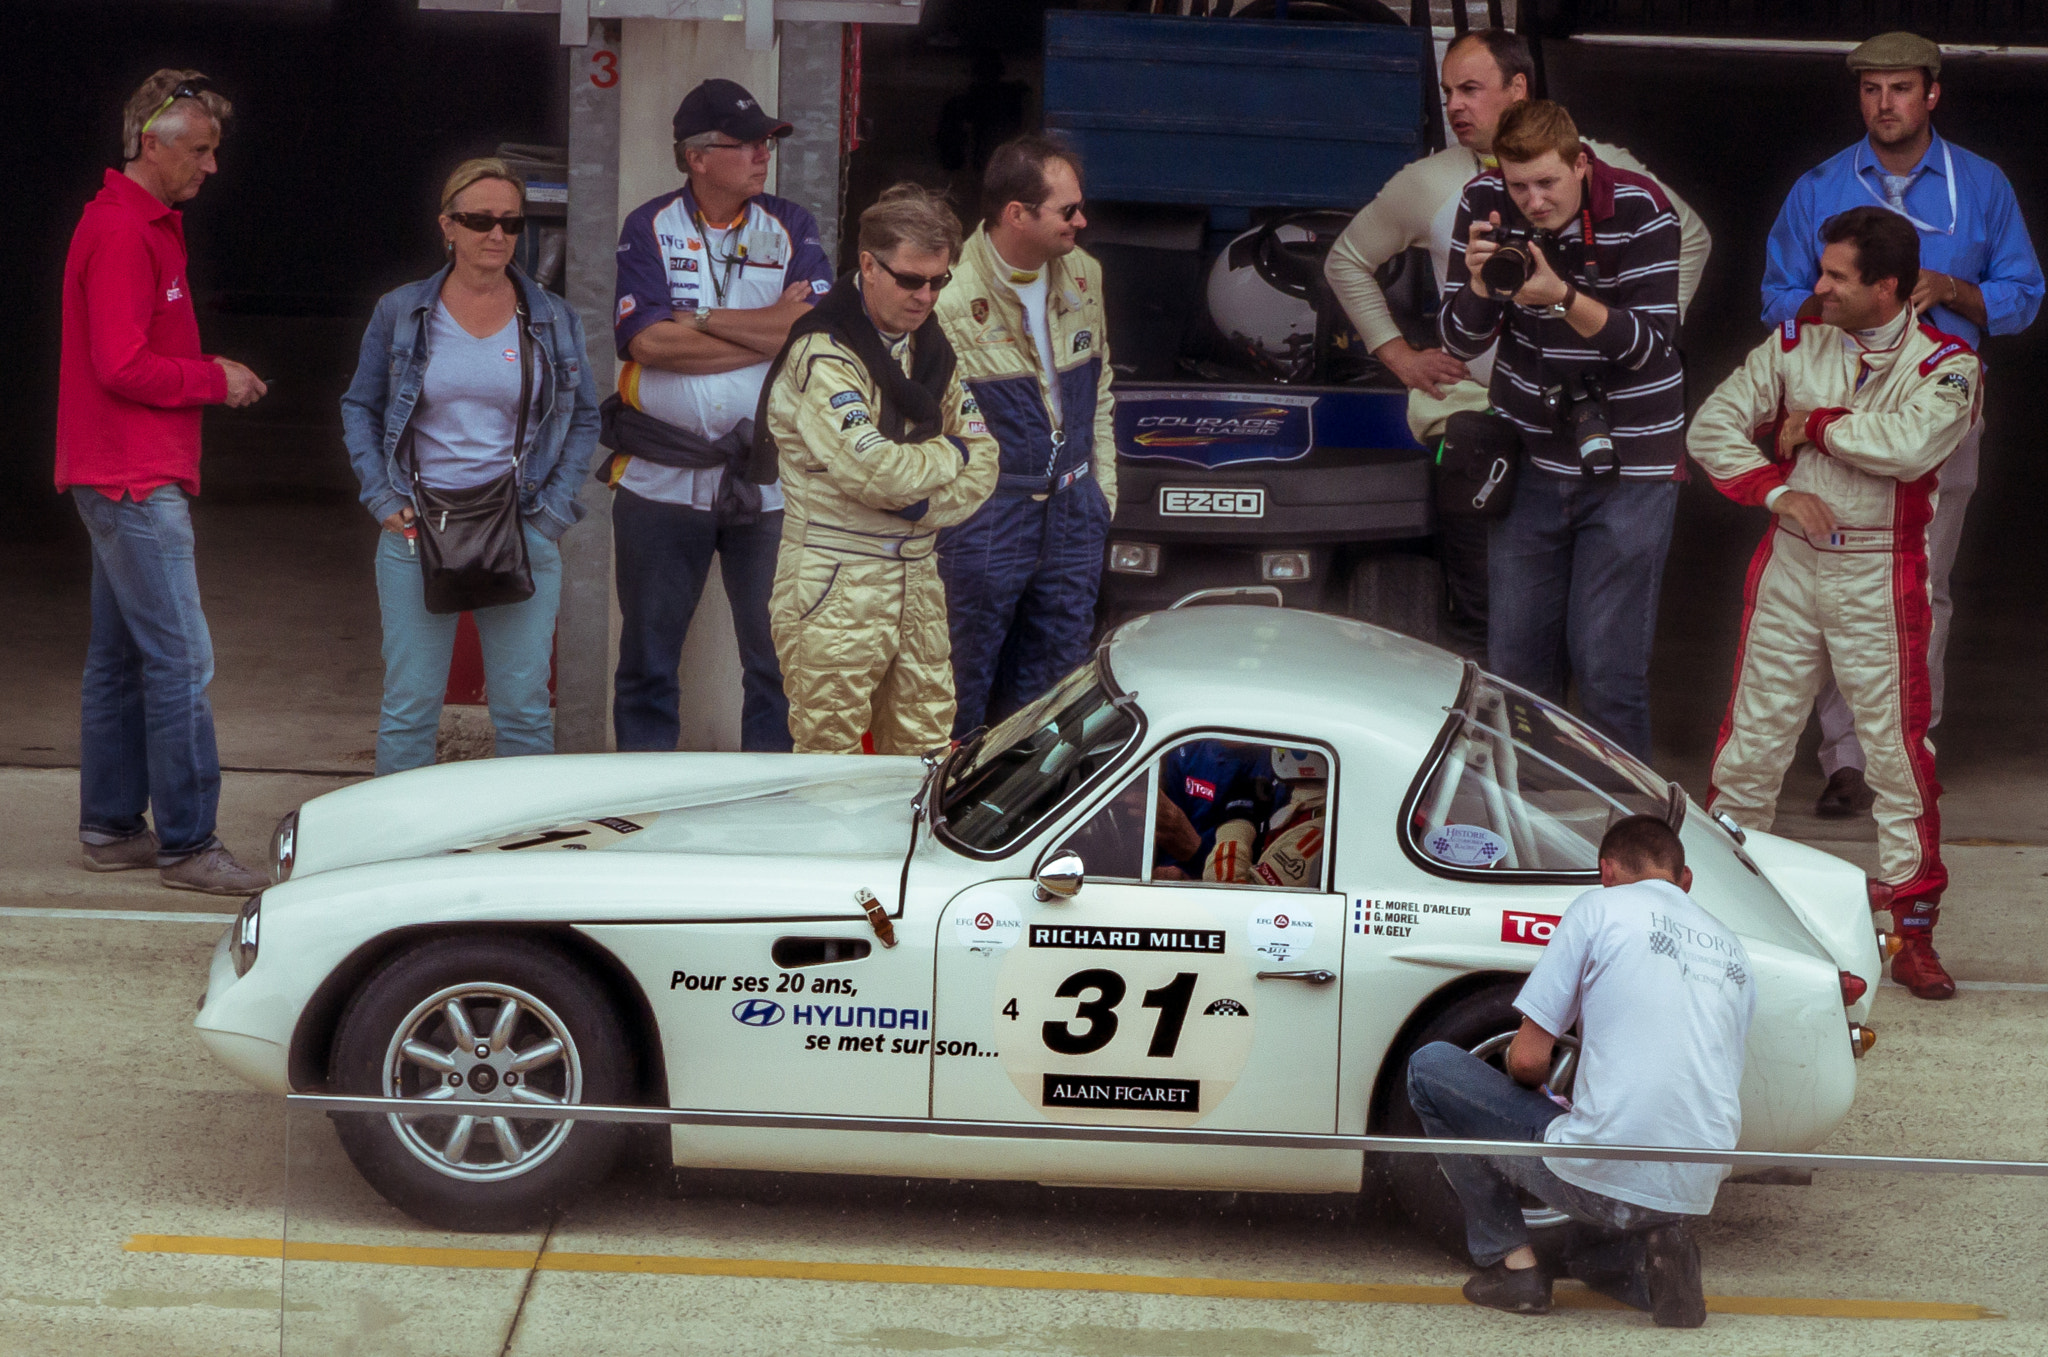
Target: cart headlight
[[242, 935], [1133, 558], [1283, 565], [284, 847]]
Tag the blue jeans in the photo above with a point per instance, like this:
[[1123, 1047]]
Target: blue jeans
[[518, 646], [1574, 571], [1458, 1096], [663, 555], [145, 726]]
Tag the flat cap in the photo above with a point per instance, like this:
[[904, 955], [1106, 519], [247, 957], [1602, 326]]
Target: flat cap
[[1896, 52]]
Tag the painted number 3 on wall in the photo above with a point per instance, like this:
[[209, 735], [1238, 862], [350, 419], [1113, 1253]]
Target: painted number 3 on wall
[[604, 68]]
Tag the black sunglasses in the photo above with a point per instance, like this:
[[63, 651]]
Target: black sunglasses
[[186, 89], [1067, 213], [914, 282], [482, 222]]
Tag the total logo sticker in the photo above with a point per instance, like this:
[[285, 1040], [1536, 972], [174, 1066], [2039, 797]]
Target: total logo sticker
[[1281, 935], [1535, 929], [989, 927]]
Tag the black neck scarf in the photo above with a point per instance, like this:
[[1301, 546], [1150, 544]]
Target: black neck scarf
[[911, 407]]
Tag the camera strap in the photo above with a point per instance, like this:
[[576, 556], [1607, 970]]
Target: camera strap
[[1592, 269]]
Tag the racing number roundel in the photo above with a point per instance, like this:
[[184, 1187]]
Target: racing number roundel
[[1143, 1018]]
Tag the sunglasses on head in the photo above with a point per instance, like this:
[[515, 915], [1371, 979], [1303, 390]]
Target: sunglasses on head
[[915, 282], [482, 222], [186, 89]]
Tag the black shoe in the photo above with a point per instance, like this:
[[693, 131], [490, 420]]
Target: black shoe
[[1671, 1264], [1519, 1291], [1845, 795]]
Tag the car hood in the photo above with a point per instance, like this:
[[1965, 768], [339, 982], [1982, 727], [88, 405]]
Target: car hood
[[666, 803]]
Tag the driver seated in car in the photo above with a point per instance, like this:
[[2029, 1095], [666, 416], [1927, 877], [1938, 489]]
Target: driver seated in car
[[1205, 785], [1289, 851]]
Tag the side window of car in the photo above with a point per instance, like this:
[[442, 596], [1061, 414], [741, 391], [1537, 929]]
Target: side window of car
[[1111, 842], [1238, 812]]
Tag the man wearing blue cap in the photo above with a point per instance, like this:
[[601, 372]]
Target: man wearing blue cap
[[711, 277]]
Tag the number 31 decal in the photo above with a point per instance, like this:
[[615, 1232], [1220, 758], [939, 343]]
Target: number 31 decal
[[1171, 999]]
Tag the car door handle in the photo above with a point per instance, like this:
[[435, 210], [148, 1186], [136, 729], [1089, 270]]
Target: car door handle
[[1306, 977]]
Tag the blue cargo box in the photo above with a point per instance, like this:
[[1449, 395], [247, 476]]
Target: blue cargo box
[[1236, 112]]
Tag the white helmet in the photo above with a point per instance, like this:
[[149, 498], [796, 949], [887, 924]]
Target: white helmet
[[1257, 318], [1300, 765]]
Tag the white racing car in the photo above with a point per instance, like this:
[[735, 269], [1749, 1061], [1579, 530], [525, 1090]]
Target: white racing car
[[687, 930]]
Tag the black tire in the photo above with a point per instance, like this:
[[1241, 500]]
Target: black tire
[[555, 1000], [1416, 1182], [1399, 591]]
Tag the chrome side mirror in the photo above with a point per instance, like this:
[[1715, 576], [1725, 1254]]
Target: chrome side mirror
[[1060, 877], [1728, 826]]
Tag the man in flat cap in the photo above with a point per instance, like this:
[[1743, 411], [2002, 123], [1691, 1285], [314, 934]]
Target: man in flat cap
[[710, 278], [1978, 275]]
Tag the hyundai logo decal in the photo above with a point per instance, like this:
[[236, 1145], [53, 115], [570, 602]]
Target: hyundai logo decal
[[757, 1012]]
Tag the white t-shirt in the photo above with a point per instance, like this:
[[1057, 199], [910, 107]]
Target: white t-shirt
[[1665, 994], [1032, 294]]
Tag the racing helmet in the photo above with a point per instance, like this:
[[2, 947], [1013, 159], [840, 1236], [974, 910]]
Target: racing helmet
[[1261, 285], [1300, 765]]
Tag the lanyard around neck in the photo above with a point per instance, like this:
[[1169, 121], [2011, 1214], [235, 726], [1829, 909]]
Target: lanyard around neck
[[721, 282], [1948, 172]]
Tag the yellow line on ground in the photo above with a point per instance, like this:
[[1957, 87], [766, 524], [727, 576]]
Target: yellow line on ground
[[1017, 1279]]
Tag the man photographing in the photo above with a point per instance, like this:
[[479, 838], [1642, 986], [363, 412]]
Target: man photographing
[[1571, 267], [1662, 995], [1485, 73]]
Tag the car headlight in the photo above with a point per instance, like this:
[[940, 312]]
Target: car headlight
[[1133, 558], [1284, 565], [284, 846], [242, 935]]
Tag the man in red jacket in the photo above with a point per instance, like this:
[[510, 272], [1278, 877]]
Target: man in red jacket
[[130, 388]]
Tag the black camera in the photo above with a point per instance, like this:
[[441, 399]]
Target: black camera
[[1579, 405], [1509, 266]]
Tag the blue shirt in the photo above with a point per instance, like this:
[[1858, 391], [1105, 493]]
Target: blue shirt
[[1215, 782], [1987, 245]]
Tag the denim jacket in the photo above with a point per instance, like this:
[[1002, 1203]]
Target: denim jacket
[[393, 368]]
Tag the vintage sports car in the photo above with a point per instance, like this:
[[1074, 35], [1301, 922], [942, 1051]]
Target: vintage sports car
[[1395, 834]]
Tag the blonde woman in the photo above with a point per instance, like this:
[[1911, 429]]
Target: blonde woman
[[436, 394]]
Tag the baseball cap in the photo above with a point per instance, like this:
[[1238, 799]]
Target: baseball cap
[[1897, 51], [724, 106]]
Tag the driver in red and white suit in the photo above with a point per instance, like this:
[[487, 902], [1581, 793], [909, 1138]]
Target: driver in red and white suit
[[1858, 412]]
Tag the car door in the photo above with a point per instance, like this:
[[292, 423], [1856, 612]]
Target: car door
[[1146, 1001]]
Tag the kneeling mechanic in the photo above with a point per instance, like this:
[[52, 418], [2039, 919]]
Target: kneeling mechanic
[[1663, 997], [879, 445]]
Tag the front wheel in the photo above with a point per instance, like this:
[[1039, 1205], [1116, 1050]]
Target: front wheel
[[499, 1020], [1483, 1023]]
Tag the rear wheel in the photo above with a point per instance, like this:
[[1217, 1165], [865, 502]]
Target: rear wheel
[[499, 1020], [1399, 591], [1482, 1023]]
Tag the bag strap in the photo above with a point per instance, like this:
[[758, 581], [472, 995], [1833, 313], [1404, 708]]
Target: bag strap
[[525, 379]]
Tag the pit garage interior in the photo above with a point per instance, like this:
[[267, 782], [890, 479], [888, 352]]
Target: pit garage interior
[[349, 112]]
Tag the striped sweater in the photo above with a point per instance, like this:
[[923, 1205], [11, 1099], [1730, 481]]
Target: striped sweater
[[1634, 355]]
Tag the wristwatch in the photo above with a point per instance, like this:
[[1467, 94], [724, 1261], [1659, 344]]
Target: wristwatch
[[1557, 310], [701, 318]]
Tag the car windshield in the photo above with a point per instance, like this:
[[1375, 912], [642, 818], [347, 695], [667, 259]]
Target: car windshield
[[1028, 764], [1522, 786]]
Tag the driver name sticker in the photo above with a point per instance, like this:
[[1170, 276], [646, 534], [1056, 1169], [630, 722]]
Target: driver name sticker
[[1128, 939], [1279, 935], [1142, 1020], [1465, 845], [991, 927], [1130, 1091]]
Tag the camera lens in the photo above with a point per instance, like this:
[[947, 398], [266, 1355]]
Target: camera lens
[[1506, 269]]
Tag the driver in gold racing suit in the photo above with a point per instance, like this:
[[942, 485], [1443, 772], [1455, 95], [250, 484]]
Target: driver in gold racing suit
[[1290, 853]]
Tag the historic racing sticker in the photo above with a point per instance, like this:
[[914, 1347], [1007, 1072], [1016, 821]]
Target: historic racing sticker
[[1140, 1019], [1465, 845], [1280, 935]]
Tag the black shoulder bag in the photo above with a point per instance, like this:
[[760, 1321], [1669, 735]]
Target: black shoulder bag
[[1476, 463], [472, 545]]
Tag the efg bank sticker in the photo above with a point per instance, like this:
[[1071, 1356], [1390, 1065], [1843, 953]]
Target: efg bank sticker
[[1280, 935], [1465, 845], [991, 927]]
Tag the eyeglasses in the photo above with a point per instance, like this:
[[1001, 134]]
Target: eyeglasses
[[916, 282], [482, 222], [186, 89], [1067, 213], [758, 144]]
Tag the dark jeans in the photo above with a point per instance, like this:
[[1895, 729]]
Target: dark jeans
[[1458, 1096], [663, 555], [1574, 572], [145, 724]]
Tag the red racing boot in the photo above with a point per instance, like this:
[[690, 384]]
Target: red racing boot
[[1917, 965]]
